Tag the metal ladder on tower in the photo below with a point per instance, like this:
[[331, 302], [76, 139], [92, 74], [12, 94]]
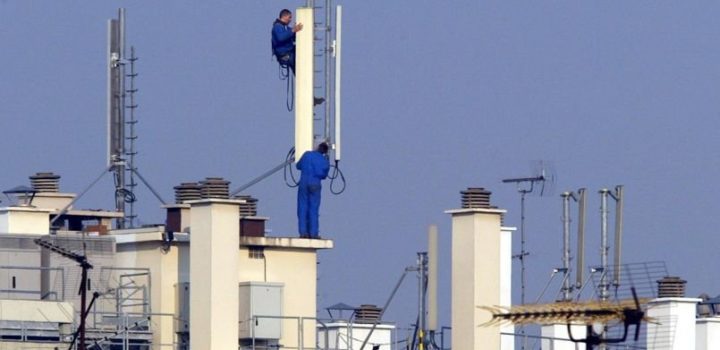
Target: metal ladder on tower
[[130, 139]]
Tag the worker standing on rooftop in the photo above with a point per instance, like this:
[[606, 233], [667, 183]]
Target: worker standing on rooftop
[[283, 39], [314, 168]]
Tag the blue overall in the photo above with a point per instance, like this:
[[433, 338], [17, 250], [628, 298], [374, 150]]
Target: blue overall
[[314, 168], [283, 44]]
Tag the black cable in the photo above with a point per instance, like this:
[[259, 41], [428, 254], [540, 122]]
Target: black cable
[[415, 333], [289, 92], [337, 174], [127, 195], [285, 74], [288, 169]]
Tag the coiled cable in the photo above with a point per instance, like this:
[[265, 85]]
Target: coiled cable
[[337, 174]]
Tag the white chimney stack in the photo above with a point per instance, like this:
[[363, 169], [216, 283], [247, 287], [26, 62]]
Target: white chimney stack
[[214, 274], [476, 270]]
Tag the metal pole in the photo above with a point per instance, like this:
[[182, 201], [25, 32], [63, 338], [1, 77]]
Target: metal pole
[[432, 259], [126, 340], [522, 260], [387, 303], [262, 177], [326, 57], [566, 244], [65, 209], [83, 299], [604, 243], [580, 269], [618, 233], [337, 100], [422, 271], [147, 184]]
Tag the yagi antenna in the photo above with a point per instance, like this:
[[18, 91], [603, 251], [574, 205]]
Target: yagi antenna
[[542, 175]]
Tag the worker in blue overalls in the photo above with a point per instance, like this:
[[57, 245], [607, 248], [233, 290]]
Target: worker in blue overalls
[[283, 39], [314, 168]]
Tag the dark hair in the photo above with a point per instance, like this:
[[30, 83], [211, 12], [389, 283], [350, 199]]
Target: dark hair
[[284, 12], [323, 148]]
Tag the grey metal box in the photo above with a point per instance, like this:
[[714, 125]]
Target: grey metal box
[[260, 310]]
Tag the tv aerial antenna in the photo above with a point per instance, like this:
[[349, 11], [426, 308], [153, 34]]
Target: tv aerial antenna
[[542, 183], [615, 320], [593, 314], [82, 261]]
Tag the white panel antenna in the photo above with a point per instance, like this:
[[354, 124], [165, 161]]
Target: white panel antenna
[[304, 82], [338, 81]]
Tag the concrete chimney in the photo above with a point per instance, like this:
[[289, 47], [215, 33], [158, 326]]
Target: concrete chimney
[[214, 274], [47, 195], [24, 220], [476, 271]]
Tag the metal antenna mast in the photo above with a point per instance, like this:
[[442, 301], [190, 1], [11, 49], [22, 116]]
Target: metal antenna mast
[[526, 185], [121, 132], [116, 109], [566, 288], [523, 191], [567, 197]]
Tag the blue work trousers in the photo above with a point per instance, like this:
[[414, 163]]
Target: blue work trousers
[[308, 209]]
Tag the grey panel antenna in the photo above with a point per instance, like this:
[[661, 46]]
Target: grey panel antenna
[[604, 247], [618, 195], [566, 196], [582, 201]]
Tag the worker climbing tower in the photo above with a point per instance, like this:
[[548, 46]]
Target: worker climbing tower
[[317, 69]]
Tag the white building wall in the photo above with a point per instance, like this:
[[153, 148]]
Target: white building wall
[[707, 336], [24, 220], [296, 269], [350, 336], [507, 342], [561, 339], [675, 327]]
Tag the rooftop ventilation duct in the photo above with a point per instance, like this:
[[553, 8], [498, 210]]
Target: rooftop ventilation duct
[[187, 191], [249, 208], [367, 313], [475, 197], [215, 187], [671, 287], [45, 182]]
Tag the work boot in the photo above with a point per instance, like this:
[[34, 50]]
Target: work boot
[[318, 100]]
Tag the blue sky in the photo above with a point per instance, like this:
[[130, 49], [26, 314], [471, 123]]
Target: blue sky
[[438, 96]]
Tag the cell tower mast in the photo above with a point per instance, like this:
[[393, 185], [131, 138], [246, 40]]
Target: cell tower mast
[[121, 131], [116, 108]]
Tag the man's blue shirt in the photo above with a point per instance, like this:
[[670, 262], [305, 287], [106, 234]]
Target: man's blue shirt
[[283, 38], [314, 167]]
